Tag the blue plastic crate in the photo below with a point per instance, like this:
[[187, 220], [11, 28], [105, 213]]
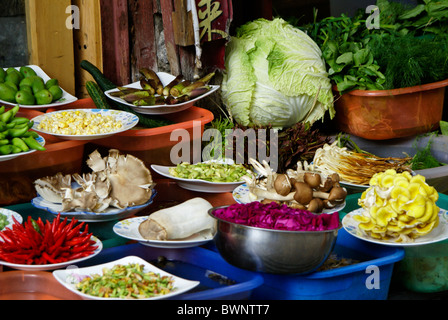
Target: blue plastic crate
[[345, 283], [219, 280]]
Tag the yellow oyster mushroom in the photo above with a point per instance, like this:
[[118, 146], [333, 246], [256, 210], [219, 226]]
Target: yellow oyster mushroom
[[416, 207], [426, 228], [431, 212], [407, 175], [399, 191], [398, 203], [401, 207], [401, 181], [384, 215], [366, 226], [419, 178], [373, 213], [361, 218], [378, 236], [393, 228], [414, 189], [408, 225], [379, 202], [386, 180]]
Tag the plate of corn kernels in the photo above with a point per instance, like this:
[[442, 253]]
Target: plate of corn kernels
[[84, 124]]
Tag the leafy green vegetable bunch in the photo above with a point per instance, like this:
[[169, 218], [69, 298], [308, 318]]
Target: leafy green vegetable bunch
[[408, 49]]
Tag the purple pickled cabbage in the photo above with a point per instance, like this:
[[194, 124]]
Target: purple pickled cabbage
[[278, 217]]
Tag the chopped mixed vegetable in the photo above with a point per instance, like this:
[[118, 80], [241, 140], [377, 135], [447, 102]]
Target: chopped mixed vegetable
[[127, 282], [210, 171]]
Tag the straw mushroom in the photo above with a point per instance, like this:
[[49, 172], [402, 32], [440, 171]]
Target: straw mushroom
[[316, 205], [282, 184], [312, 179], [304, 193]]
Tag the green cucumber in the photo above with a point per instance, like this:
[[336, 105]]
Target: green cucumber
[[104, 83], [97, 95]]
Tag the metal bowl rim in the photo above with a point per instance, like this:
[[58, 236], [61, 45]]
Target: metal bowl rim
[[210, 212]]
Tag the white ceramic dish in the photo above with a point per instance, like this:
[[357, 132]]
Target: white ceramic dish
[[197, 184], [128, 120], [165, 78], [46, 267], [7, 157], [439, 233], [241, 194], [354, 186], [109, 215], [66, 97], [129, 229], [66, 278], [9, 217]]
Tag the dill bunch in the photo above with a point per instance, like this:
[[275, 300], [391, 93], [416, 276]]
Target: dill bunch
[[407, 61], [423, 159]]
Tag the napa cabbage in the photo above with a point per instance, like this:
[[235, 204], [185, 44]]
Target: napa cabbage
[[275, 75]]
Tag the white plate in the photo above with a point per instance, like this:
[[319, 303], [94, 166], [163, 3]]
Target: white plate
[[165, 78], [128, 119], [65, 277], [9, 215], [66, 97], [87, 216], [46, 267], [354, 186], [242, 195], [439, 233], [7, 157], [129, 229], [197, 184]]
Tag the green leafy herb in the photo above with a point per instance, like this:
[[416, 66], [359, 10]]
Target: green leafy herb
[[423, 159], [408, 49], [444, 128]]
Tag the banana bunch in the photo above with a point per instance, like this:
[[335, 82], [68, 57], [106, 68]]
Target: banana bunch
[[398, 207]]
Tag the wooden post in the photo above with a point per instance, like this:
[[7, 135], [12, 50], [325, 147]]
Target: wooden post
[[182, 24], [87, 42], [144, 47], [171, 48], [50, 41], [115, 41]]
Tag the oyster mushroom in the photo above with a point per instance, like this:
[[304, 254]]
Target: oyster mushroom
[[79, 200], [116, 181], [130, 181], [52, 188]]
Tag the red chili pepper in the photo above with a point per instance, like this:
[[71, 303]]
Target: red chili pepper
[[48, 258], [75, 231]]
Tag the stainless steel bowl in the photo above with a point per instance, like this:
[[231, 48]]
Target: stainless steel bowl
[[272, 251]]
